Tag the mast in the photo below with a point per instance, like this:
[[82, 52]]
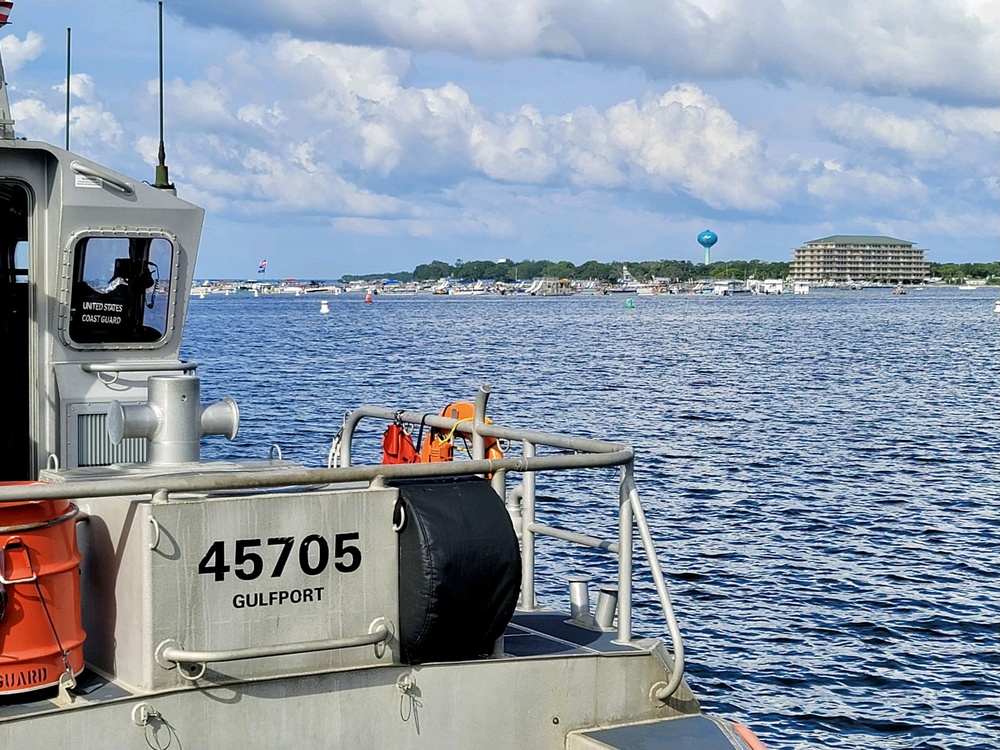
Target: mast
[[162, 180], [6, 121], [69, 47]]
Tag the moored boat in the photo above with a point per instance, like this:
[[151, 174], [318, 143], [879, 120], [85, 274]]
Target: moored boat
[[235, 604]]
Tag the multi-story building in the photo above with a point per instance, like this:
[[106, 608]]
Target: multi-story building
[[852, 257]]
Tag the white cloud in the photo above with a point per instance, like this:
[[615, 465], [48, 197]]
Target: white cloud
[[445, 223], [513, 148], [34, 118], [935, 138], [943, 50], [292, 132], [16, 51], [200, 103], [868, 189], [91, 126], [334, 123]]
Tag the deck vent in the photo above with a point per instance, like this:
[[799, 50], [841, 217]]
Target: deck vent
[[96, 448]]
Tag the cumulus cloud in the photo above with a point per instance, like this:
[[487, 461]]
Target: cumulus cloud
[[91, 125], [867, 189], [16, 52], [931, 139], [942, 50], [337, 110], [285, 129]]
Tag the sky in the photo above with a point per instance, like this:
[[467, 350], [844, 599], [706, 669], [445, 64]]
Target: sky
[[370, 136]]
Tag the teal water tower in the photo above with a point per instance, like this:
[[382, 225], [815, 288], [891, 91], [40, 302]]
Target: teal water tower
[[706, 239]]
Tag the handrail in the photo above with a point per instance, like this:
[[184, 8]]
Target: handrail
[[584, 540], [630, 511], [586, 453], [676, 642], [202, 479], [170, 653], [564, 442], [80, 168], [146, 366]]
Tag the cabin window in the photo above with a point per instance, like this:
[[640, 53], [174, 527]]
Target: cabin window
[[20, 269], [121, 290]]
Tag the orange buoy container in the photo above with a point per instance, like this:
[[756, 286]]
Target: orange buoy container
[[41, 634]]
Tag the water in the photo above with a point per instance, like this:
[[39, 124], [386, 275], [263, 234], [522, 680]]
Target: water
[[820, 472]]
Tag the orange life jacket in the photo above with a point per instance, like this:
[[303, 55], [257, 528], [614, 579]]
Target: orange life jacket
[[398, 447]]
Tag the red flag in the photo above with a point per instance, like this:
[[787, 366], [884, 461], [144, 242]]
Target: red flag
[[5, 8]]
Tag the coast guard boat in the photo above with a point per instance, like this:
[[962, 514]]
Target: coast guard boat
[[149, 598]]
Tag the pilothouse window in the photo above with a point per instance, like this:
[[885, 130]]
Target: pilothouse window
[[121, 290]]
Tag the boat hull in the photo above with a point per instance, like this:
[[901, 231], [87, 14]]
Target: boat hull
[[502, 703]]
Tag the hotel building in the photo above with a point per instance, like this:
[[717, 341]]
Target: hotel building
[[851, 257]]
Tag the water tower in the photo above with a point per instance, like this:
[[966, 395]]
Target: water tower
[[706, 239]]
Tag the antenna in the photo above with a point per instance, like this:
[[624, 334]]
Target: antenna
[[69, 47], [6, 121], [162, 175]]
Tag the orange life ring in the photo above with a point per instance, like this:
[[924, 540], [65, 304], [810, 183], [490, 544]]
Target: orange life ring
[[439, 444]]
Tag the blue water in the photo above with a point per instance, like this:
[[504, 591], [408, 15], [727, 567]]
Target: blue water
[[820, 472]]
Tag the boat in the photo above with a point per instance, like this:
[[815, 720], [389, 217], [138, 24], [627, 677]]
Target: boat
[[626, 284], [153, 598], [550, 286]]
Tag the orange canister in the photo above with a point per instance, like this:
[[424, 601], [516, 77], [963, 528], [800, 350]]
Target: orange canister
[[41, 634]]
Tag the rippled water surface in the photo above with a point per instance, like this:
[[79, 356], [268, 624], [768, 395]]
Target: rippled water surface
[[821, 473]]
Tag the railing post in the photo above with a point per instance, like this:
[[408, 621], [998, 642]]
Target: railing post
[[478, 419], [527, 535], [625, 554], [499, 484]]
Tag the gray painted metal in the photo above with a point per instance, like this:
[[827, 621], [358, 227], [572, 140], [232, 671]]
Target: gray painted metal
[[174, 419], [495, 704], [703, 732]]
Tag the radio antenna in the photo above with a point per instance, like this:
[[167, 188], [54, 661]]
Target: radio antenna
[[162, 175], [6, 121], [69, 47]]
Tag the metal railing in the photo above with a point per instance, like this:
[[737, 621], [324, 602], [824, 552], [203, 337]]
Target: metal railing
[[586, 453], [580, 453]]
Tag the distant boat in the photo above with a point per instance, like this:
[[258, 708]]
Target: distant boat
[[551, 287]]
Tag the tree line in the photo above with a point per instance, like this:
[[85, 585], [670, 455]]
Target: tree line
[[512, 271], [648, 270]]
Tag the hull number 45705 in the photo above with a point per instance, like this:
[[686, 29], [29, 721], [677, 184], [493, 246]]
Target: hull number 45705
[[251, 557]]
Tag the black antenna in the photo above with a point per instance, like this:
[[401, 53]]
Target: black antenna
[[162, 176], [69, 36]]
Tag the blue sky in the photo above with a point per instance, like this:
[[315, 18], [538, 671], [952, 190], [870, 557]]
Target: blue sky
[[374, 135]]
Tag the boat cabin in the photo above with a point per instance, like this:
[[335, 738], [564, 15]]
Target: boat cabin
[[92, 265]]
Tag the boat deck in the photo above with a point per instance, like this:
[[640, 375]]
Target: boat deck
[[547, 633], [535, 634]]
